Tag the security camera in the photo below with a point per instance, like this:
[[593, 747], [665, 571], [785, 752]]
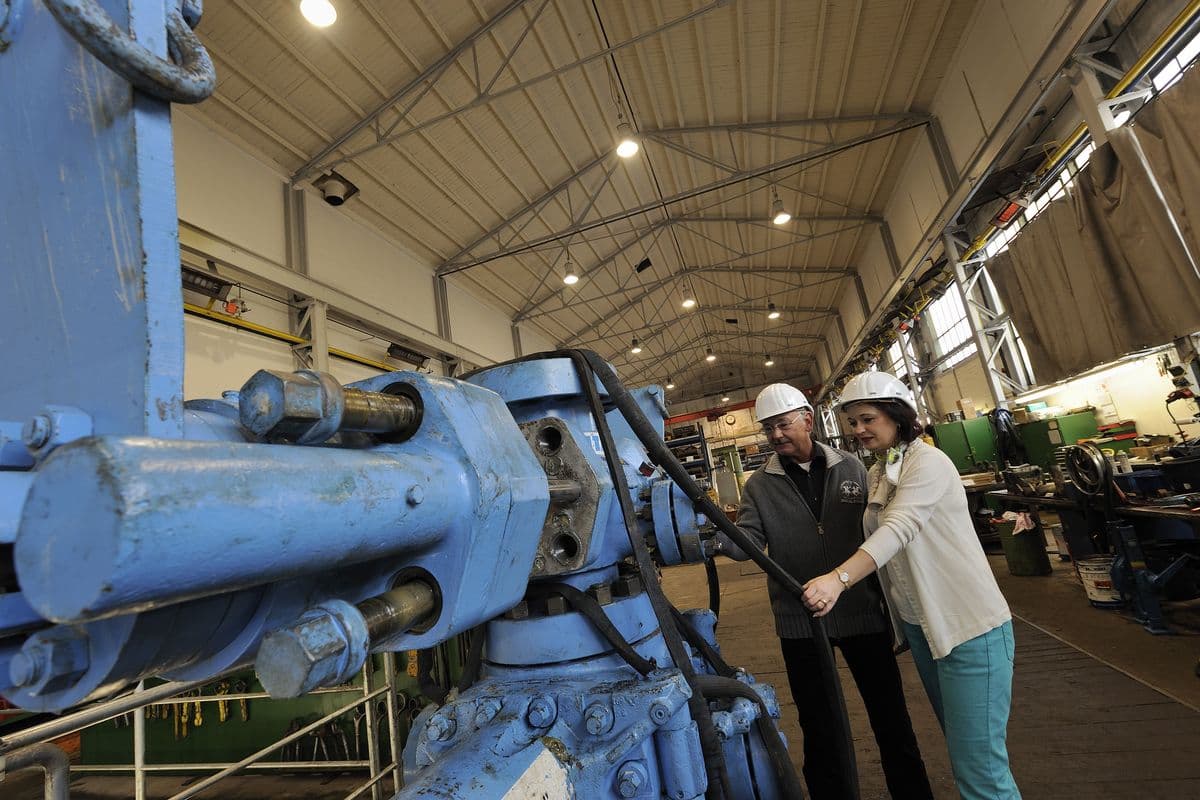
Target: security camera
[[335, 189]]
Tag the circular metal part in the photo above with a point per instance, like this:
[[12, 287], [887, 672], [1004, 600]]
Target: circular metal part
[[631, 777], [565, 547], [542, 712], [398, 610], [415, 495], [486, 711], [409, 421], [327, 645], [549, 440], [660, 712], [598, 718], [1088, 468]]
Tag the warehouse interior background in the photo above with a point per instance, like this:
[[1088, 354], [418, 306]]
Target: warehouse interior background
[[818, 188]]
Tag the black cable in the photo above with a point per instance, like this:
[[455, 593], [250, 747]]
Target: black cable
[[714, 586], [716, 686], [474, 660], [701, 645], [587, 605], [660, 454], [714, 758], [425, 682]]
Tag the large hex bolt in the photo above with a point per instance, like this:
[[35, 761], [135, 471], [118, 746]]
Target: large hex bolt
[[49, 661], [55, 426], [325, 647], [486, 711], [631, 777], [309, 407], [542, 712]]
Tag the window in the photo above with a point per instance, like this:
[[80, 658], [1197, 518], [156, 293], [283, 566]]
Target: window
[[950, 327], [895, 361]]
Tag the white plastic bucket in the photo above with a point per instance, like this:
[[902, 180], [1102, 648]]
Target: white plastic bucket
[[1097, 581]]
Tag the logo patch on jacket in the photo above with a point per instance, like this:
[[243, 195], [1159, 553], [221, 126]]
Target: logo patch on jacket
[[851, 491]]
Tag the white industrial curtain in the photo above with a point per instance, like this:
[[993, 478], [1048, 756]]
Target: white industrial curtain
[[1104, 270]]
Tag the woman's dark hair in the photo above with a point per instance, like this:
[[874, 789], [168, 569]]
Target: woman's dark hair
[[909, 427]]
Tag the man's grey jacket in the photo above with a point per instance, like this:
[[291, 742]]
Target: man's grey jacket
[[774, 514]]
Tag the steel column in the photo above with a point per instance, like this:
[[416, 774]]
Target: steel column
[[995, 386]]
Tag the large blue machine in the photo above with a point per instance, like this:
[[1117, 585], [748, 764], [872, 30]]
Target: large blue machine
[[298, 524]]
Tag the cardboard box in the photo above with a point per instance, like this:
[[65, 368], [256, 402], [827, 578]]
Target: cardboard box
[[967, 406], [1021, 416]]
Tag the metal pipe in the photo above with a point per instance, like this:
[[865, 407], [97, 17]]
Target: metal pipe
[[389, 671], [268, 766], [100, 712], [49, 758], [200, 786], [373, 783], [371, 732], [139, 750]]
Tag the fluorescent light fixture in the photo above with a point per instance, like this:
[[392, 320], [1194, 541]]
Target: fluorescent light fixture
[[688, 302], [779, 214], [627, 145], [570, 276], [772, 312], [670, 383], [320, 13], [768, 361], [635, 348], [708, 355]]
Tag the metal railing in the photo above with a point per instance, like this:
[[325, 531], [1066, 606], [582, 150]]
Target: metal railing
[[139, 700]]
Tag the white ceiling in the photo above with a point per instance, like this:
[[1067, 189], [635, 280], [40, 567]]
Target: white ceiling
[[480, 134]]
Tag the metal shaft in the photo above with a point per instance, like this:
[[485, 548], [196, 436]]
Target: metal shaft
[[398, 610], [565, 492], [375, 412]]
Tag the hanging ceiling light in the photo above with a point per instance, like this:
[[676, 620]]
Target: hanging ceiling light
[[570, 276], [725, 399], [320, 13], [635, 348], [772, 312], [688, 301], [779, 214], [627, 144], [670, 383], [708, 355], [768, 361]]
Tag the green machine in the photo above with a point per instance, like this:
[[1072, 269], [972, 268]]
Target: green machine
[[1043, 437], [968, 442]]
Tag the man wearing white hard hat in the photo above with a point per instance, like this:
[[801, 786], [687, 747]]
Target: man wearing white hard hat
[[805, 506], [941, 592]]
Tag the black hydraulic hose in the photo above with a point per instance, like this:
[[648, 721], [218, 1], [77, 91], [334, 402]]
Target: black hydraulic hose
[[587, 605], [701, 646], [716, 686], [714, 586], [425, 682], [620, 397], [710, 744]]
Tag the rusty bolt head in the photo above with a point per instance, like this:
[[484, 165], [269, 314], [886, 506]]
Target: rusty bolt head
[[285, 405]]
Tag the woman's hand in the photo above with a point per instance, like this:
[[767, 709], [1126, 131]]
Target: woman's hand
[[821, 594]]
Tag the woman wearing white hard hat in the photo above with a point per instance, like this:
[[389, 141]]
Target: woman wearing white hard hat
[[805, 506], [941, 592]]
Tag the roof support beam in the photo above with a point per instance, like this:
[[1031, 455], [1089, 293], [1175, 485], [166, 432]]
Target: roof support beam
[[327, 160], [730, 180]]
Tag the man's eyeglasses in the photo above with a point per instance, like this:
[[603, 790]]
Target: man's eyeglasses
[[769, 428]]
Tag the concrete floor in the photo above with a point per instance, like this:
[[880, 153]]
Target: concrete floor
[[1100, 707]]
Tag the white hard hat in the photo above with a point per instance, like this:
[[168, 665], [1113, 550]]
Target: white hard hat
[[869, 386], [779, 398]]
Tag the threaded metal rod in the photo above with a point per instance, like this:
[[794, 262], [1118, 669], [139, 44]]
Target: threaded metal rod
[[397, 610], [376, 412]]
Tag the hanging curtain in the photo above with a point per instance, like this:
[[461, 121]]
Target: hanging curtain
[[1103, 271]]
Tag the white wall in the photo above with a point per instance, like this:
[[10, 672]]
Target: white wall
[[967, 379], [239, 198], [1135, 389]]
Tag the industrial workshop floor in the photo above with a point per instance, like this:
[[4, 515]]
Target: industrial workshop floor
[[1080, 727], [1100, 707]]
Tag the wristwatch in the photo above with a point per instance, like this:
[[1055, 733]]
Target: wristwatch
[[844, 577]]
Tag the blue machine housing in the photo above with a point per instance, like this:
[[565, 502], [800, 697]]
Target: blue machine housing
[[153, 537]]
